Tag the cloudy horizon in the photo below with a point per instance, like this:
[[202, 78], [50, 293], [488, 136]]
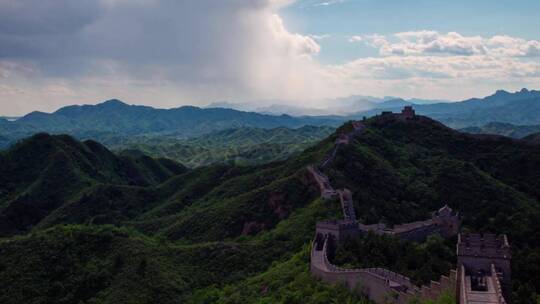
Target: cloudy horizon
[[167, 53]]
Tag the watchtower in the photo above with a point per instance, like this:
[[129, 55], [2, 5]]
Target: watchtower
[[484, 268], [337, 230], [408, 112], [447, 220]]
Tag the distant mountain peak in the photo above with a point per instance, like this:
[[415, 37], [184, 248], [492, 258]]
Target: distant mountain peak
[[113, 102], [502, 95], [501, 92]]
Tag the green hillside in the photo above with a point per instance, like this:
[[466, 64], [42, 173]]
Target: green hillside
[[45, 172], [237, 146], [240, 146], [505, 129], [533, 139], [231, 234]]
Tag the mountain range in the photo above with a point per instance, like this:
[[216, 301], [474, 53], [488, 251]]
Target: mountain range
[[504, 129], [89, 121], [334, 106], [520, 108], [80, 224], [117, 117]]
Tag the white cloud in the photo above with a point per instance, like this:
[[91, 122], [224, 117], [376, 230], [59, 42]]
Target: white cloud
[[320, 37], [355, 38], [328, 3], [452, 43], [433, 65], [510, 46]]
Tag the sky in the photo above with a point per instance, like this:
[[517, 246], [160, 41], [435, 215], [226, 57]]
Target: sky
[[168, 53]]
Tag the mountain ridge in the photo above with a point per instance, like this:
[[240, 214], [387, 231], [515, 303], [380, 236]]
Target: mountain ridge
[[119, 117], [522, 107], [505, 129]]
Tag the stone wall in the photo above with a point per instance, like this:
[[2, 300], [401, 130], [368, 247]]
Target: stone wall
[[378, 284], [498, 286], [337, 229], [489, 254], [347, 204], [327, 192]]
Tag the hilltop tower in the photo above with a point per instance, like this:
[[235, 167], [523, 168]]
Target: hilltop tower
[[408, 112], [447, 220], [484, 273]]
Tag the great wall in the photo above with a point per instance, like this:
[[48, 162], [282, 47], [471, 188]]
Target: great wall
[[483, 272]]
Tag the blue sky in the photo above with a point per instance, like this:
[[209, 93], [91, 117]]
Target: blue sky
[[342, 19], [168, 53]]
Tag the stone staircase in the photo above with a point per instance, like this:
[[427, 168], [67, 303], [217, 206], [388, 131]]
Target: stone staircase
[[343, 139], [347, 205], [327, 192]]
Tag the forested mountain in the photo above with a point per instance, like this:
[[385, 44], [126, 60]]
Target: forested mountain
[[241, 146], [40, 174], [520, 108], [114, 116], [505, 129], [533, 139], [225, 234]]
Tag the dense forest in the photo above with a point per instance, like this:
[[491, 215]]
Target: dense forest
[[236, 146], [240, 146]]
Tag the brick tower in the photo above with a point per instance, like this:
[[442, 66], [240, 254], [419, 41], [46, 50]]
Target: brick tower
[[483, 268]]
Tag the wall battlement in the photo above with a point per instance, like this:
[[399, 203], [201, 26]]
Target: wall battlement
[[347, 204], [483, 244], [486, 245], [337, 229], [379, 284], [484, 263], [444, 222], [337, 224]]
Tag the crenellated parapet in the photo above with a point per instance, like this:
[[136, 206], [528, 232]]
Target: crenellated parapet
[[484, 261], [490, 246], [338, 230], [347, 204], [378, 284], [444, 222], [327, 192]]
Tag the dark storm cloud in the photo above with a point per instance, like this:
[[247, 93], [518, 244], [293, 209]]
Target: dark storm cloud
[[46, 17], [192, 49], [32, 29], [189, 40]]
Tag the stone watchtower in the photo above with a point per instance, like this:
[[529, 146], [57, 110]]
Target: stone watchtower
[[408, 112], [483, 268], [447, 220]]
